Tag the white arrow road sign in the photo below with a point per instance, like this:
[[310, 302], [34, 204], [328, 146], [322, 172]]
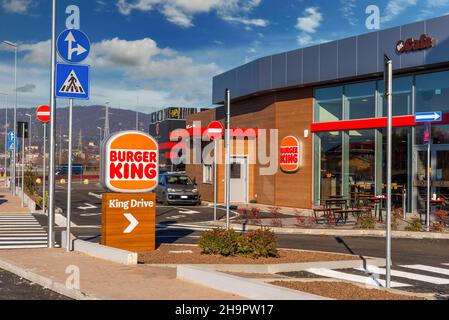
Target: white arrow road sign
[[87, 207], [189, 212], [78, 49], [133, 223]]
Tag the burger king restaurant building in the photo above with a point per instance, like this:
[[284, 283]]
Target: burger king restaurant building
[[330, 97]]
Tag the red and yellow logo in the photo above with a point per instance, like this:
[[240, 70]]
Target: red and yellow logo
[[290, 154], [130, 163]]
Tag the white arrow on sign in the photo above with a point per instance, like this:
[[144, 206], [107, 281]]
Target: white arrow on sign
[[88, 207], [434, 116], [78, 49], [133, 223]]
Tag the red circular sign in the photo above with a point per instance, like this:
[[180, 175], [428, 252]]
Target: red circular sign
[[43, 114], [215, 130]]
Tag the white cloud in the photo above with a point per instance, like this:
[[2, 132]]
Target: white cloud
[[395, 7], [17, 6], [310, 21], [348, 11], [182, 12]]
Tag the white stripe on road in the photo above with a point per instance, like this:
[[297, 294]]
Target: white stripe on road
[[445, 264], [354, 278], [19, 242], [180, 236], [24, 246], [428, 268], [22, 238], [98, 196], [23, 234], [407, 275]]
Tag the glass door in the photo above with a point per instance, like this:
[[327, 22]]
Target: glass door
[[420, 178]]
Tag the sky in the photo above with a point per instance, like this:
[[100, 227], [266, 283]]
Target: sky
[[152, 54]]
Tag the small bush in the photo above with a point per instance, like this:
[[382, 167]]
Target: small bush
[[367, 222], [254, 216], [303, 220], [441, 217], [40, 203], [30, 185], [254, 244], [437, 227], [243, 213], [276, 220], [414, 225]]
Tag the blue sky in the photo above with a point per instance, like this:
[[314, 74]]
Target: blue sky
[[158, 53]]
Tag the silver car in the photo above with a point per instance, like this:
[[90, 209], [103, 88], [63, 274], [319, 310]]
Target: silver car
[[175, 188]]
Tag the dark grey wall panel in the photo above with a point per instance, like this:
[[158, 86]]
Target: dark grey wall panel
[[351, 57], [414, 31], [438, 28], [264, 66], [347, 57], [387, 45], [367, 56], [329, 61], [279, 70], [294, 68], [310, 64]]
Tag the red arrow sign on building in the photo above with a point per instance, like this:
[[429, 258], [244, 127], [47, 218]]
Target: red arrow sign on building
[[43, 114]]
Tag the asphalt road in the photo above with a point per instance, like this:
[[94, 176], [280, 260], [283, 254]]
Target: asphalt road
[[13, 287]]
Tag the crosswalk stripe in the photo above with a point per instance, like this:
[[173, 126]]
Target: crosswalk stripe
[[21, 232], [445, 264], [407, 275], [428, 268], [354, 278]]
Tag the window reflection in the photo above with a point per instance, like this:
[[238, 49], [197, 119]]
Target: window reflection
[[360, 100], [331, 159], [329, 104], [402, 97], [432, 92]]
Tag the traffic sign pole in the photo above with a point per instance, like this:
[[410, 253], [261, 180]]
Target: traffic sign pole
[[429, 172], [228, 158], [69, 188], [215, 178], [51, 177], [23, 163], [44, 164]]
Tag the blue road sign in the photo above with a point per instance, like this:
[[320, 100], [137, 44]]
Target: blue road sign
[[11, 142], [434, 116], [73, 45], [11, 136], [72, 81]]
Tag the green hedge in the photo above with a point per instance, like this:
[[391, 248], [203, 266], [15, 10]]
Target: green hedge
[[254, 244]]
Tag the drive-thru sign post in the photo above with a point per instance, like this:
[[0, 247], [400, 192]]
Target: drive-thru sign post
[[129, 169]]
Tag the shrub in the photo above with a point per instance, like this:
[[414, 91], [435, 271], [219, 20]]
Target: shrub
[[437, 227], [254, 244], [40, 203], [414, 225], [396, 217], [219, 242], [276, 220], [303, 220], [254, 216], [30, 185], [441, 216], [243, 213], [367, 222]]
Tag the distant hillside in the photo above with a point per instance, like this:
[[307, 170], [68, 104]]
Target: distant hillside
[[86, 119]]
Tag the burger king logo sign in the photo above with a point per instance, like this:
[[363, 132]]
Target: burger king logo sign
[[129, 162], [290, 156]]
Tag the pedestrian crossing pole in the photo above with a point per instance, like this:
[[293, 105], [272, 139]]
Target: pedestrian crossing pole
[[69, 186], [388, 80]]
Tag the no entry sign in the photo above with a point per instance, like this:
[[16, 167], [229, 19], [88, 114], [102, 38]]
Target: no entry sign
[[130, 162], [215, 130], [43, 114]]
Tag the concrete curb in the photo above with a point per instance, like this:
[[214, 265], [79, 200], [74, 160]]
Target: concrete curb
[[99, 251], [239, 286], [328, 232], [286, 267], [46, 282]]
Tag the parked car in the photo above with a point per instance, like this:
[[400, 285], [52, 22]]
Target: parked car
[[176, 188]]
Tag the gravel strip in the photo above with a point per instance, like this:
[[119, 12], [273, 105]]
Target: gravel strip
[[163, 256], [343, 291]]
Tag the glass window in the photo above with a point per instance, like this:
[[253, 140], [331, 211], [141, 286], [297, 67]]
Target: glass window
[[440, 134], [402, 97], [207, 173], [179, 180], [362, 161], [236, 171], [331, 164], [432, 92], [328, 105], [360, 100]]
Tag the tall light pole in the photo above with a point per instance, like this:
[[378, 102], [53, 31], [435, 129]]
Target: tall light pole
[[6, 137], [100, 128], [388, 80], [106, 121], [29, 138], [15, 46], [52, 142]]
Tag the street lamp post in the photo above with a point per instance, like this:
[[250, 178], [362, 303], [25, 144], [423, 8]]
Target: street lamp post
[[6, 137], [106, 121], [99, 128], [15, 46], [29, 138]]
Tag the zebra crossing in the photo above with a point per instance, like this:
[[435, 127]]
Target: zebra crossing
[[418, 277], [21, 231]]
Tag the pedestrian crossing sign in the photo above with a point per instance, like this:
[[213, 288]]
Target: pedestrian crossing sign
[[72, 81]]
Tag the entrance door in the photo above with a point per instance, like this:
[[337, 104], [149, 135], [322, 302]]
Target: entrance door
[[439, 174], [239, 180]]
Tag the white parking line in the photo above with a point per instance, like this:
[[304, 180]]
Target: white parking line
[[25, 246], [22, 238], [354, 278], [407, 275], [428, 268]]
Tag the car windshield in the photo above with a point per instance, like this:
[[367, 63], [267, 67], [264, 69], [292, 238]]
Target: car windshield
[[179, 180]]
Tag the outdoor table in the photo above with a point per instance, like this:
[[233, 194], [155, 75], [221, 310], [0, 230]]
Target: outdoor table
[[325, 212], [337, 202], [343, 214], [335, 197], [378, 201]]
